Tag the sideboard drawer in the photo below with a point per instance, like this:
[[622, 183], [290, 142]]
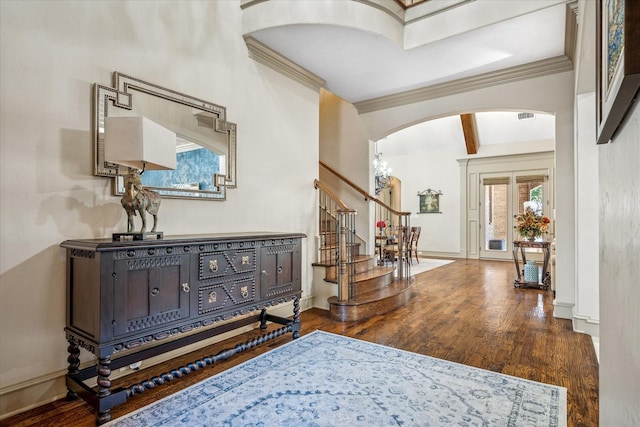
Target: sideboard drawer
[[214, 297], [227, 262]]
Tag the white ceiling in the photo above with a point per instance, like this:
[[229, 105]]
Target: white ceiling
[[359, 65], [453, 39], [493, 128]]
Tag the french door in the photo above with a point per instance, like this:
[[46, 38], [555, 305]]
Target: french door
[[502, 196]]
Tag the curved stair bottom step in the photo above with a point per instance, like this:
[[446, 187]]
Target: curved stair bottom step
[[363, 264], [373, 303]]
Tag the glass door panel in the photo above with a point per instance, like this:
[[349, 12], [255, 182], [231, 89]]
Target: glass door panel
[[503, 195], [531, 193], [495, 217], [495, 223]]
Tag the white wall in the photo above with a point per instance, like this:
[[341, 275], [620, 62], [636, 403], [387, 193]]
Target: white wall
[[619, 177], [424, 156], [51, 55], [586, 312], [345, 148]]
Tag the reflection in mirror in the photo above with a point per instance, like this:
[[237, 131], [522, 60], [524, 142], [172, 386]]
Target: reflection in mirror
[[196, 168], [206, 142]]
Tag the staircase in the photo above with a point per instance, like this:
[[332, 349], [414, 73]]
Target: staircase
[[365, 288], [378, 291]]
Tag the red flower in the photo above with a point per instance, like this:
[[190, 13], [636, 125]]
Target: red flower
[[381, 224]]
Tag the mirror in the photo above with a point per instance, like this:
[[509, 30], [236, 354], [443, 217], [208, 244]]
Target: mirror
[[206, 141]]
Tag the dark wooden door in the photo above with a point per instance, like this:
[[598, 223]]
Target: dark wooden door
[[150, 293], [279, 270]]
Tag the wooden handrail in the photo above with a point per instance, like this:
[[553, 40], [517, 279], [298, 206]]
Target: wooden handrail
[[366, 195], [320, 186]]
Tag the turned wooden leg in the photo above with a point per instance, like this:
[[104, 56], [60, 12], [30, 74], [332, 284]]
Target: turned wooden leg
[[296, 316], [103, 387], [74, 363], [263, 319]]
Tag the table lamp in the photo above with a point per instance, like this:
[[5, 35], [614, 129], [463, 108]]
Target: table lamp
[[139, 144]]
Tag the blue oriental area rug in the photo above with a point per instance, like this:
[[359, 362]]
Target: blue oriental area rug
[[323, 379]]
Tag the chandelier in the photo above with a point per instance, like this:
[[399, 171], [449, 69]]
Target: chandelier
[[382, 173]]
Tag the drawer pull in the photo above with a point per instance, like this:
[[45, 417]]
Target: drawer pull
[[155, 291], [186, 287], [244, 291], [279, 269], [264, 273], [213, 265]]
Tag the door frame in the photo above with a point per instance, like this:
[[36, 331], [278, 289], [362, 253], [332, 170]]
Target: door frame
[[471, 191], [512, 209], [490, 253]]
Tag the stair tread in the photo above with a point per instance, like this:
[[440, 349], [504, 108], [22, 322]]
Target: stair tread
[[359, 258], [374, 273], [368, 275], [375, 295], [335, 245]]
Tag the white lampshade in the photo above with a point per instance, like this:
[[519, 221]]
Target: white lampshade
[[139, 143]]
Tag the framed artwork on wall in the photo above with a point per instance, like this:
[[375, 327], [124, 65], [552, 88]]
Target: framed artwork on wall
[[617, 63], [429, 201]]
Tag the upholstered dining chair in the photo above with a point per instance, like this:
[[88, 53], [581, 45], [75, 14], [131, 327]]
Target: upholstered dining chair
[[412, 247]]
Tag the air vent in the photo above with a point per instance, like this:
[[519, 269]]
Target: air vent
[[525, 116]]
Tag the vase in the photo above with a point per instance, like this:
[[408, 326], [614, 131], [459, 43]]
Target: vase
[[531, 239], [531, 271]]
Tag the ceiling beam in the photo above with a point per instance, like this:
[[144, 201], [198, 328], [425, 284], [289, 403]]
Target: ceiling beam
[[470, 132]]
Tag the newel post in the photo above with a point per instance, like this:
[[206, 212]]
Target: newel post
[[345, 234], [343, 281]]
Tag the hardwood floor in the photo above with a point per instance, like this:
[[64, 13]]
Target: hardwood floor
[[466, 312]]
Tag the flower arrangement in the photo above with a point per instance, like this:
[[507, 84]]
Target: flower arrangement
[[381, 224], [530, 225]]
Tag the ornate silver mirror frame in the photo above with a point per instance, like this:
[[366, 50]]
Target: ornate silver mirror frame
[[198, 123]]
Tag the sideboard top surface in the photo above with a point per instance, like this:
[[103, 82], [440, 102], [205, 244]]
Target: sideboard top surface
[[108, 244]]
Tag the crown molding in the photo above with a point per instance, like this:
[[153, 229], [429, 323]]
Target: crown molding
[[426, 10], [571, 30], [248, 3], [541, 68], [261, 53], [392, 9]]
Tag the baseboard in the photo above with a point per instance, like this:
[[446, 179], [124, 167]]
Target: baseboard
[[427, 254], [586, 325], [562, 310], [21, 397], [286, 309], [580, 323], [322, 289], [30, 394], [589, 326], [596, 346]]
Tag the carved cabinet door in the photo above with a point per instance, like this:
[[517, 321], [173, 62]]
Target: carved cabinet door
[[280, 271], [150, 293]]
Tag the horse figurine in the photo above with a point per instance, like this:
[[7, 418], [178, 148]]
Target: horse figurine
[[137, 198]]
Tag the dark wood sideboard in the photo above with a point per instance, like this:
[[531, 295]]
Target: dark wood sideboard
[[128, 301]]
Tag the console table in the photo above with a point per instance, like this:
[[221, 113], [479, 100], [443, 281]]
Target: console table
[[520, 246], [126, 299]]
